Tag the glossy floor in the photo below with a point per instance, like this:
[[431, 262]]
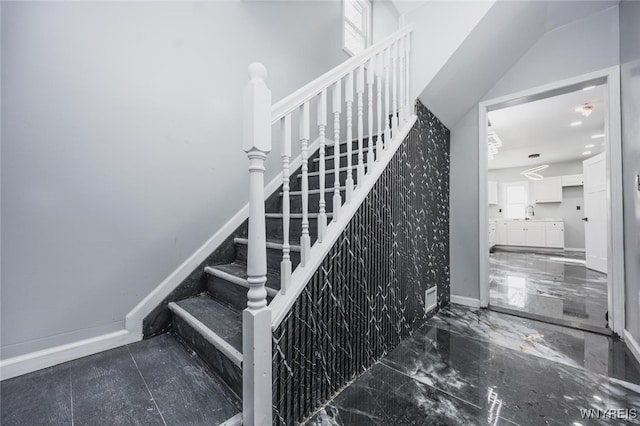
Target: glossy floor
[[554, 287], [153, 382], [473, 367]]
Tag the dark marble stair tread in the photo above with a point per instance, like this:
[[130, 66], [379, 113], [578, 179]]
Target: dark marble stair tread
[[226, 322], [239, 269], [273, 243]]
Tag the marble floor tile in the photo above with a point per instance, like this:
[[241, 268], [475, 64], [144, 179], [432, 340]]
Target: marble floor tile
[[468, 366], [383, 396], [550, 286], [576, 348]]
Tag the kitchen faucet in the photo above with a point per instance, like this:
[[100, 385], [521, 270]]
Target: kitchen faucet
[[528, 212]]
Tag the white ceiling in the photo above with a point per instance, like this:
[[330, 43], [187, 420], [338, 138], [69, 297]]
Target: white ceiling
[[543, 127], [499, 40]]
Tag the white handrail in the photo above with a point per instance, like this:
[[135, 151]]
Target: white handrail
[[306, 93]]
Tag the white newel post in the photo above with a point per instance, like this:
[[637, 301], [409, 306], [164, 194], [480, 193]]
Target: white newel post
[[256, 319]]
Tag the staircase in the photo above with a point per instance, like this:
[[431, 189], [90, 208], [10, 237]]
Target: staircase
[[211, 323], [252, 281]]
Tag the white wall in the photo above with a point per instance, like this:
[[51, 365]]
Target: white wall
[[572, 197], [583, 46], [630, 94], [121, 145]]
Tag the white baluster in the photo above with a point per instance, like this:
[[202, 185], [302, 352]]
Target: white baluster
[[322, 123], [305, 239], [337, 106], [348, 97], [401, 91], [407, 81], [394, 108], [360, 92], [370, 76], [285, 265], [256, 319], [379, 68], [387, 111]]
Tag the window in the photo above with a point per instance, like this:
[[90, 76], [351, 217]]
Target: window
[[356, 28], [516, 196]]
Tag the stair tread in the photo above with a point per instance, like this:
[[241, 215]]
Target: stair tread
[[314, 191], [223, 320], [272, 243], [295, 215], [239, 269], [328, 171], [344, 154]]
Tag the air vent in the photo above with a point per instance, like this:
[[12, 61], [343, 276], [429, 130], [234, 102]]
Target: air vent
[[534, 155], [431, 298]]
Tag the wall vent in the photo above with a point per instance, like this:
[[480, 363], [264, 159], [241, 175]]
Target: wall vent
[[431, 298]]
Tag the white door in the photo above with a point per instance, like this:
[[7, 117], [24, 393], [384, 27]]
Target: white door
[[595, 212]]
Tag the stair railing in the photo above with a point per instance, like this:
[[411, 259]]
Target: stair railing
[[384, 71]]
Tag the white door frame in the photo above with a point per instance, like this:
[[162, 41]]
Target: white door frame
[[615, 245]]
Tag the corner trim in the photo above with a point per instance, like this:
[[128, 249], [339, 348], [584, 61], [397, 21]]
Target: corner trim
[[465, 301], [632, 344]]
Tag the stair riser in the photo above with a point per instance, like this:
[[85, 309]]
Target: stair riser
[[274, 229], [295, 201], [228, 293], [354, 146], [274, 256], [315, 166], [216, 360], [314, 181]]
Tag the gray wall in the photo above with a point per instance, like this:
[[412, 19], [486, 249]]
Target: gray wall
[[630, 81], [583, 46], [121, 145], [572, 197]]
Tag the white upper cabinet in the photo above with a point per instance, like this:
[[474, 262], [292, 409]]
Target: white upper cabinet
[[573, 180], [548, 190], [492, 192]]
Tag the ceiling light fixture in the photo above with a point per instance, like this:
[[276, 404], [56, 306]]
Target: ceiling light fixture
[[585, 109], [575, 123], [586, 153], [590, 145], [493, 143], [588, 88], [532, 173], [597, 136]]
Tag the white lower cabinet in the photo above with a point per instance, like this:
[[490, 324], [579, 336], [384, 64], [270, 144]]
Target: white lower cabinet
[[555, 234], [530, 233]]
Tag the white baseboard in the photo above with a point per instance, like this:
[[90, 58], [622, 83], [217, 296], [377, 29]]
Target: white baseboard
[[465, 301], [22, 364], [632, 344], [33, 361], [574, 249]]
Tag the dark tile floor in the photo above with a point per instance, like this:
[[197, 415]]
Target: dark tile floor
[[480, 367], [549, 286], [153, 382]]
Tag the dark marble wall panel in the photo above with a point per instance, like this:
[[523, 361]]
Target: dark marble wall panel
[[369, 292]]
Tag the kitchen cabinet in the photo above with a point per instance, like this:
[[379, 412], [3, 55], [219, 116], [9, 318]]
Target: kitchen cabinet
[[554, 234], [501, 232], [492, 192], [492, 233], [573, 180], [548, 190], [530, 233]]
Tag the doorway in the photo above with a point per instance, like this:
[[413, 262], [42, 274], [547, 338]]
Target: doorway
[[550, 204]]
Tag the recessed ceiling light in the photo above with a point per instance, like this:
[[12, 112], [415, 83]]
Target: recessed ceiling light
[[586, 153], [588, 88], [597, 135], [589, 146], [575, 123]]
